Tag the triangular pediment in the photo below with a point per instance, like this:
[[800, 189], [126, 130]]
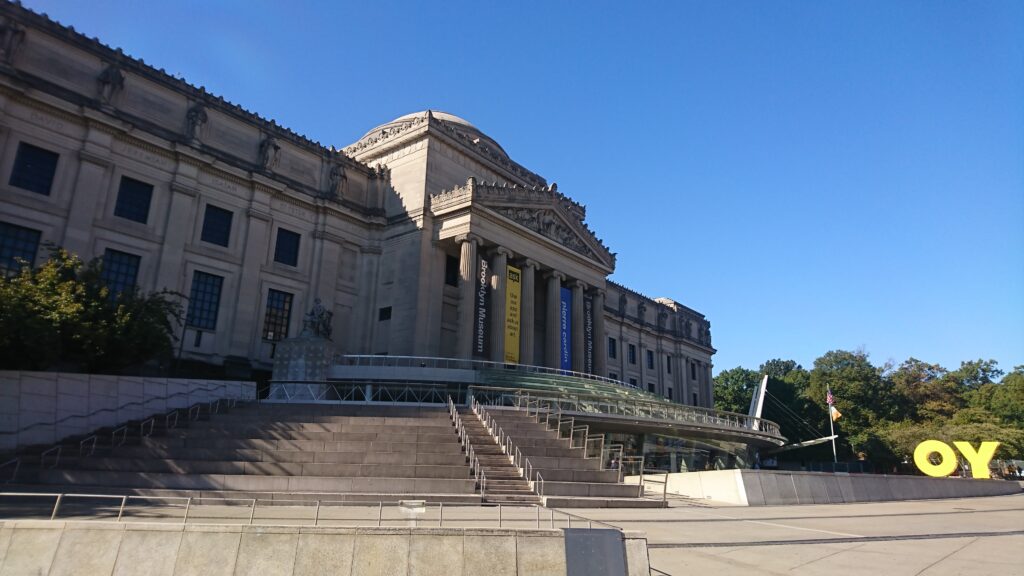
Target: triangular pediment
[[547, 212]]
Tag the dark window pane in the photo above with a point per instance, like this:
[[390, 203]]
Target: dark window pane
[[204, 301], [279, 313], [133, 199], [632, 354], [650, 387], [217, 225], [613, 348], [668, 393], [668, 364], [650, 360], [451, 270], [384, 313], [17, 243], [120, 271], [693, 370], [287, 249], [34, 168]]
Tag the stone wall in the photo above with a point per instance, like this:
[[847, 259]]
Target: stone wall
[[780, 488], [105, 548], [43, 407]]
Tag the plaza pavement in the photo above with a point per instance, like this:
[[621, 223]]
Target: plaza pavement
[[971, 536]]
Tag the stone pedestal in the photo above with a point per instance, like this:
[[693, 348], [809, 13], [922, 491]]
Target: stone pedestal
[[303, 359]]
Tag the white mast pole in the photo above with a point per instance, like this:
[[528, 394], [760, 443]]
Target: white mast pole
[[832, 430]]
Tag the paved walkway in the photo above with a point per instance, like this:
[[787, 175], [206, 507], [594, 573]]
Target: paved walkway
[[975, 536]]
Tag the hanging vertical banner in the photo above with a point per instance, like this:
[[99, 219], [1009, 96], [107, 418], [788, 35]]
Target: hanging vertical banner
[[565, 334], [513, 286], [482, 311], [588, 334]]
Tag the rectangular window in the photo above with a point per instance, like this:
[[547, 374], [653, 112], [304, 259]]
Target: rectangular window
[[120, 271], [287, 249], [613, 375], [668, 393], [17, 243], [451, 270], [384, 314], [632, 354], [650, 360], [693, 370], [694, 398], [216, 225], [204, 301], [34, 168], [632, 382], [133, 199], [668, 364], [277, 316], [650, 387], [613, 348]]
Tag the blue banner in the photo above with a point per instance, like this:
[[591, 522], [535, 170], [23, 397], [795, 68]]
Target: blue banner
[[565, 334]]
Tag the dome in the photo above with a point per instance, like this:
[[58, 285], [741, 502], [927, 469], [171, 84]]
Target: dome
[[460, 124]]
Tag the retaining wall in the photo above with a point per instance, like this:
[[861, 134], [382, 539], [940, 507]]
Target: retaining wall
[[121, 549], [778, 487], [57, 404]]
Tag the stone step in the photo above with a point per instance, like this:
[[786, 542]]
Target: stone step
[[448, 445], [242, 429], [453, 457], [253, 483], [273, 468], [589, 489], [253, 433]]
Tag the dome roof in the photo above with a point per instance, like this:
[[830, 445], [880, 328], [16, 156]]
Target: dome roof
[[459, 123]]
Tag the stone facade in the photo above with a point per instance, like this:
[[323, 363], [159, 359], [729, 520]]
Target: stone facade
[[254, 222]]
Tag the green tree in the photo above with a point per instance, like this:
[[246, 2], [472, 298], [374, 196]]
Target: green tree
[[62, 315], [925, 391], [734, 389]]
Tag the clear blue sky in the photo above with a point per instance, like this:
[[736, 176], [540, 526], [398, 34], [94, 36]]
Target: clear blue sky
[[810, 175]]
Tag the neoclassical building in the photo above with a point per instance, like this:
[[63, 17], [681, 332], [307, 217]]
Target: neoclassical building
[[423, 238]]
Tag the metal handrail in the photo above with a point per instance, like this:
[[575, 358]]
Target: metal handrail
[[479, 476], [518, 459], [125, 406], [464, 364], [538, 401], [554, 517]]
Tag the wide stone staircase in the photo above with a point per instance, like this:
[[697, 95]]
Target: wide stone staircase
[[567, 476], [503, 482], [312, 452]]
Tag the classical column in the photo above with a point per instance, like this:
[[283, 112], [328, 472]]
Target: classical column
[[526, 307], [579, 336], [499, 268], [710, 385], [467, 273], [600, 338], [554, 319]]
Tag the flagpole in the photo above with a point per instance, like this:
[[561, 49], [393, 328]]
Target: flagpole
[[832, 430]]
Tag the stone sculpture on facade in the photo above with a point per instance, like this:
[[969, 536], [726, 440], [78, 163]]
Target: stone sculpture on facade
[[11, 36], [336, 181], [270, 151], [110, 81], [194, 121]]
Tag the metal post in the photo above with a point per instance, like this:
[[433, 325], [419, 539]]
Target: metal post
[[252, 514], [380, 512], [499, 515], [538, 517], [55, 506], [124, 500], [188, 505], [316, 514], [552, 518], [440, 514]]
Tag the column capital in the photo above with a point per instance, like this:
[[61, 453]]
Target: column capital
[[528, 263], [594, 291], [467, 237], [578, 284], [502, 251], [554, 274]]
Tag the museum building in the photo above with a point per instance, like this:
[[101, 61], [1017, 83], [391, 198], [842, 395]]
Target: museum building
[[423, 238]]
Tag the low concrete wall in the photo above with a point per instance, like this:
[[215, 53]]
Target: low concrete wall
[[57, 404], [777, 487], [107, 548]]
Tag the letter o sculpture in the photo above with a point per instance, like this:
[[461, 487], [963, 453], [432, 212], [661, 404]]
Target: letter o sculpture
[[943, 468]]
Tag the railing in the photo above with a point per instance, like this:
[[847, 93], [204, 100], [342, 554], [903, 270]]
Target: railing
[[516, 457], [474, 462], [461, 364], [540, 401], [202, 510]]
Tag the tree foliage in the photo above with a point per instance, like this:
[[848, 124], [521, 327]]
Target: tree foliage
[[62, 315]]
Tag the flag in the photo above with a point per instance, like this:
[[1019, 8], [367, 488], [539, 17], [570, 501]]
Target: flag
[[829, 399], [836, 414]]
